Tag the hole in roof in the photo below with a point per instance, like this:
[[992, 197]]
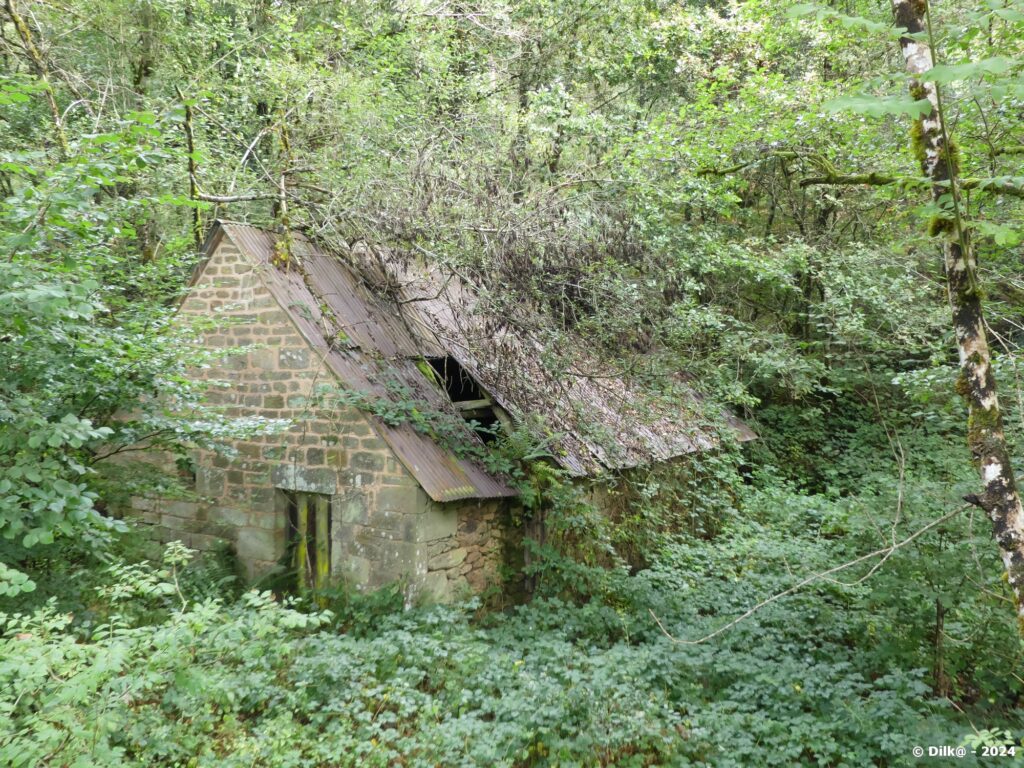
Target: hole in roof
[[459, 385], [471, 401], [485, 422]]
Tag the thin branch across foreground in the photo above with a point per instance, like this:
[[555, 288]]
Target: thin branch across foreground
[[884, 554]]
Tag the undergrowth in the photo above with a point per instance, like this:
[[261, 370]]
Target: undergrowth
[[115, 660], [166, 673]]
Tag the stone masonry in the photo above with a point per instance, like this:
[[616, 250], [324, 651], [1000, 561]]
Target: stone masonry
[[385, 528]]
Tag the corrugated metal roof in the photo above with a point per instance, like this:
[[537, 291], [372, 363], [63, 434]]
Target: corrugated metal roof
[[602, 420], [367, 348], [392, 312]]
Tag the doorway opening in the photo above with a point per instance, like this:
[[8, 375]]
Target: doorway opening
[[309, 538]]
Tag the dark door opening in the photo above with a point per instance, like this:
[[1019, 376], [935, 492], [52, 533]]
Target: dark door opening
[[309, 536]]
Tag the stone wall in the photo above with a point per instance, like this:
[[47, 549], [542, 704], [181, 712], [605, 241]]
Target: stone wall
[[384, 526], [468, 560]]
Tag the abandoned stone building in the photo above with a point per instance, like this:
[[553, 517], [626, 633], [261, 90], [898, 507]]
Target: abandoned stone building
[[354, 349]]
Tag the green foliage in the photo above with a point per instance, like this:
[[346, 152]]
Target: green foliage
[[874, 106], [93, 365], [949, 73], [42, 450], [13, 583], [69, 371], [630, 172], [165, 678]]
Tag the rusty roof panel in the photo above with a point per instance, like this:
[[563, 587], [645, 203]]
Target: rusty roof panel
[[364, 319], [442, 475]]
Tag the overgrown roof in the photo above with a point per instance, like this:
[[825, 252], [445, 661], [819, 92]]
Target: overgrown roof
[[376, 319]]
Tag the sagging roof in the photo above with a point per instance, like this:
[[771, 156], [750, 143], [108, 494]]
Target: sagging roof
[[375, 318], [600, 419]]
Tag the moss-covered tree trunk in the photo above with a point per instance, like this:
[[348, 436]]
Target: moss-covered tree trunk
[[977, 383], [42, 72]]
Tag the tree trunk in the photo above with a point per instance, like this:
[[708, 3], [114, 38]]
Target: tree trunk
[[42, 72], [977, 384], [940, 680]]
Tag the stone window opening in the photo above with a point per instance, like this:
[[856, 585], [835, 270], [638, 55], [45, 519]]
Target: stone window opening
[[466, 395], [309, 539]]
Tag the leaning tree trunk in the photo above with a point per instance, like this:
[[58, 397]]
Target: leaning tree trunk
[[977, 383]]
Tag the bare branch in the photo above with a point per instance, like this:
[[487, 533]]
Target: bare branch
[[206, 198], [193, 184], [741, 166]]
